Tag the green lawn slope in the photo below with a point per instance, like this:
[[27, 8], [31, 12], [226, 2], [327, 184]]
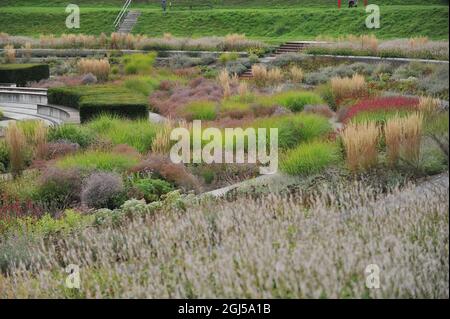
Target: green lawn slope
[[214, 3], [257, 19]]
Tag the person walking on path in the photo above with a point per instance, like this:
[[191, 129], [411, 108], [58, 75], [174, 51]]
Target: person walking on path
[[164, 5]]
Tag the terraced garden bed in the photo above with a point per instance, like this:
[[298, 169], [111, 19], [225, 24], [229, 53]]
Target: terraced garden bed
[[352, 141]]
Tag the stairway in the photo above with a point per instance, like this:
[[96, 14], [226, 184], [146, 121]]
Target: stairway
[[247, 74], [129, 22], [291, 47], [288, 47]]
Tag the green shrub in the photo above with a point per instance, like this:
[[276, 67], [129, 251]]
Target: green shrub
[[227, 57], [69, 221], [309, 158], [292, 100], [235, 109], [232, 105], [1, 114], [413, 69], [141, 84], [208, 176], [139, 63], [101, 99], [21, 189], [131, 69], [135, 133], [293, 129], [152, 189], [58, 189], [435, 124], [4, 157], [97, 160], [296, 100], [115, 70], [20, 74], [71, 133], [326, 93], [257, 51], [200, 110], [253, 58], [103, 190]]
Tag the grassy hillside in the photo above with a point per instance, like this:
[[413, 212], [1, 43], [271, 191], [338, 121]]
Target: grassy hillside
[[214, 3], [256, 18], [35, 21], [298, 23]]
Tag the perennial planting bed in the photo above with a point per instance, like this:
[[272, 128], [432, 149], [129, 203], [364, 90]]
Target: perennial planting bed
[[343, 145]]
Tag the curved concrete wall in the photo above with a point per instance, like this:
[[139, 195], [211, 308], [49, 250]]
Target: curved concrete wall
[[53, 112], [23, 97], [25, 103]]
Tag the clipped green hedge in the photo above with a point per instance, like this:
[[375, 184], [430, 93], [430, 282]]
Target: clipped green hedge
[[131, 111], [20, 74], [64, 96], [101, 99]]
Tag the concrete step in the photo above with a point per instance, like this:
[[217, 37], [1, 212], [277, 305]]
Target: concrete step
[[291, 48], [293, 45], [129, 22], [288, 47]]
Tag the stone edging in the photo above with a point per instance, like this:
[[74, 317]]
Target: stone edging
[[376, 58]]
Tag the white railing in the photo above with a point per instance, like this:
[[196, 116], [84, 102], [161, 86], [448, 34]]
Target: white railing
[[122, 13]]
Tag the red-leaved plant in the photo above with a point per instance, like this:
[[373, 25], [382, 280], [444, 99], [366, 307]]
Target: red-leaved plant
[[11, 208], [388, 103]]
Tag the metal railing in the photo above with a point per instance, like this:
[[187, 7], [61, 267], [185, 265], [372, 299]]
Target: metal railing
[[121, 14]]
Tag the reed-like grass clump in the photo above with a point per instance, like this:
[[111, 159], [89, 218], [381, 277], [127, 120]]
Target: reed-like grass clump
[[347, 87], [296, 74], [27, 51], [16, 142], [259, 73], [243, 90], [274, 76], [403, 138], [428, 104], [224, 81], [99, 68], [9, 54], [360, 141], [40, 141], [412, 137], [161, 143]]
